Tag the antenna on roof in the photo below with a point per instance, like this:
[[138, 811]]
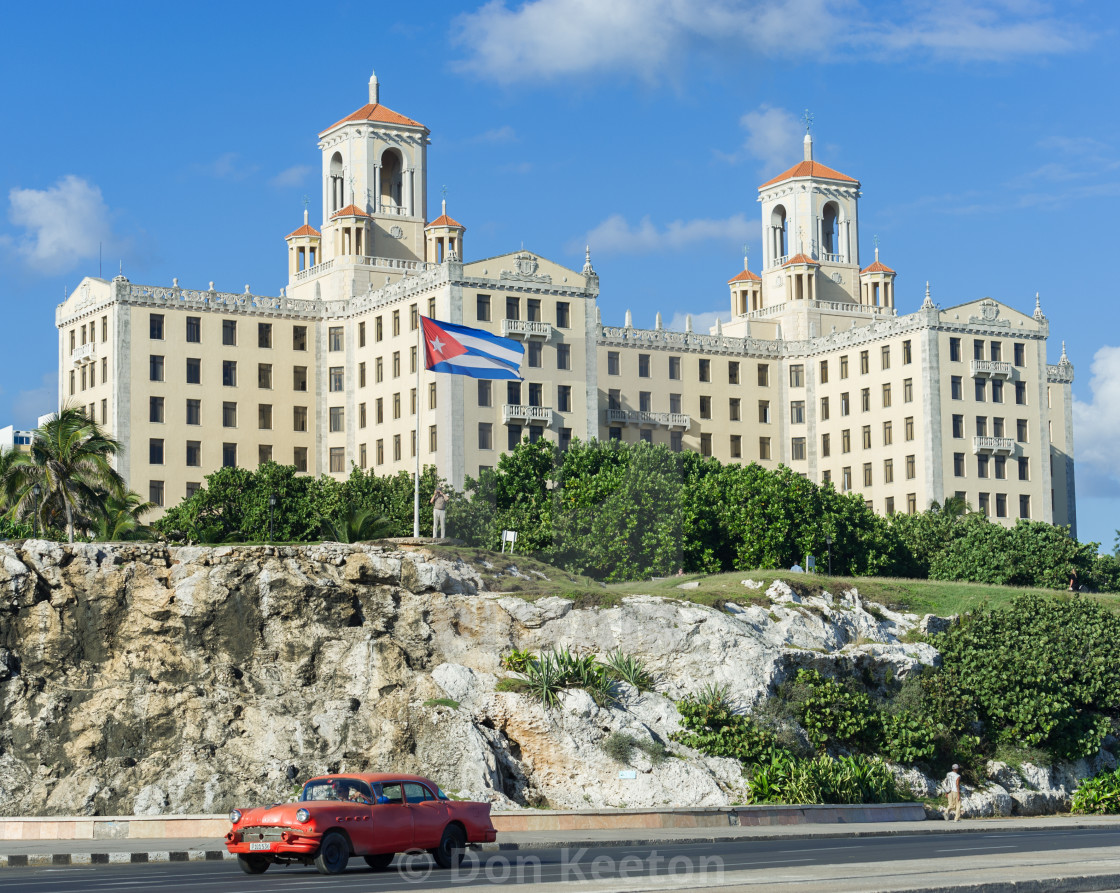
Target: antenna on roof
[[808, 119]]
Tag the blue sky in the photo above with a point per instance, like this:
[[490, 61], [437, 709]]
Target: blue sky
[[182, 139]]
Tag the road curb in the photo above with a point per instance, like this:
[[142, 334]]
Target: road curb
[[1079, 884], [40, 860]]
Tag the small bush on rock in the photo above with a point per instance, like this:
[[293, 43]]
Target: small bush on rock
[[619, 746], [1098, 796]]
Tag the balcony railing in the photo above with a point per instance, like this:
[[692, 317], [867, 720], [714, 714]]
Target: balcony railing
[[832, 258], [361, 260], [519, 412], [990, 369], [522, 328], [993, 445], [83, 352], [644, 417]]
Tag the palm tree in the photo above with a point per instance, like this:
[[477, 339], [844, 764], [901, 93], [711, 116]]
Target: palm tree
[[120, 519], [9, 460], [357, 525], [70, 463]]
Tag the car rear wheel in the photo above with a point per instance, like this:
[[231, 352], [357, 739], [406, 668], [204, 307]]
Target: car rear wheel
[[449, 853], [334, 853], [380, 862], [253, 864]]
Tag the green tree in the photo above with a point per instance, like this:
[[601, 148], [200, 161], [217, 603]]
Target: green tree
[[356, 525], [120, 517]]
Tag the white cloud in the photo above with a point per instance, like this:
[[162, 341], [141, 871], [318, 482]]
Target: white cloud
[[1096, 427], [503, 134], [701, 322], [616, 236], [548, 39], [63, 224], [296, 175], [28, 405], [774, 137], [228, 166]]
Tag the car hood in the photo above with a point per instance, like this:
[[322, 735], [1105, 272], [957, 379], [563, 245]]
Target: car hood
[[280, 814]]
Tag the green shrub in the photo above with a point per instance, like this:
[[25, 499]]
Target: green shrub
[[710, 725], [824, 779], [629, 669], [1098, 796], [442, 702], [517, 660], [655, 750], [831, 713], [619, 746]]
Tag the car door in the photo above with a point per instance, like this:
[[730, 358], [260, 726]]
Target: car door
[[429, 815], [392, 820], [359, 822]]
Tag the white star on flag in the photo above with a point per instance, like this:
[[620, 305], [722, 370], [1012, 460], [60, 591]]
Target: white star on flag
[[437, 345]]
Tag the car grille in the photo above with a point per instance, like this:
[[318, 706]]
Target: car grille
[[262, 832]]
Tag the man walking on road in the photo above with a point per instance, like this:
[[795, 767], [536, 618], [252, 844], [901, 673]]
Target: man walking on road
[[439, 513], [953, 786]]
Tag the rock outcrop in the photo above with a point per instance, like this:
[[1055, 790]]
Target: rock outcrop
[[146, 679]]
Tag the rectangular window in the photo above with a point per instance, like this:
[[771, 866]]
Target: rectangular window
[[229, 332], [908, 390], [763, 375], [482, 308], [981, 426], [155, 492], [194, 412], [299, 458], [397, 405], [336, 378], [299, 419], [563, 315], [888, 434], [846, 479], [912, 503], [763, 447], [363, 457], [885, 359], [845, 404], [705, 370], [797, 376], [264, 375], [264, 416], [888, 471], [613, 366], [533, 309], [645, 400], [907, 354], [1021, 430], [396, 332], [362, 337], [155, 409], [564, 398], [984, 503], [413, 318], [846, 440], [958, 464], [484, 393], [824, 409], [1020, 353], [563, 356], [865, 399], [995, 353], [229, 373], [1024, 468], [155, 326], [955, 349], [705, 444], [643, 365], [565, 438], [886, 395], [980, 390], [674, 403], [155, 369], [736, 446], [911, 468], [1024, 506], [104, 412], [977, 349], [337, 419], [733, 372], [379, 411], [338, 459], [513, 308], [155, 451], [433, 442], [824, 372], [264, 453], [844, 366], [299, 378], [958, 426], [826, 445], [299, 337], [513, 393], [536, 394], [412, 359], [485, 436], [764, 412], [888, 505], [536, 352], [229, 455], [335, 338], [264, 335], [997, 426], [674, 368], [1000, 463], [864, 362], [432, 395], [867, 437], [361, 375], [194, 453], [705, 407], [229, 415], [826, 477], [378, 370], [733, 409], [797, 412], [956, 388], [104, 369], [997, 391], [396, 364], [867, 474], [513, 436], [104, 328]]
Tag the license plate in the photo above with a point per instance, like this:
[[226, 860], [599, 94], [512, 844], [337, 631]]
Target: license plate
[[262, 845]]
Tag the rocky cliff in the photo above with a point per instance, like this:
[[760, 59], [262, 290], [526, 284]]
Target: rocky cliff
[[142, 679]]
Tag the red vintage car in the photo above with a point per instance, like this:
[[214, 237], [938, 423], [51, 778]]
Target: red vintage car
[[372, 816]]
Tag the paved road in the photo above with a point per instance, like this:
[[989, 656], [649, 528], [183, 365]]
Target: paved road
[[677, 866]]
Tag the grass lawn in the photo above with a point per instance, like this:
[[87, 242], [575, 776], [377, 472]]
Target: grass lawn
[[528, 578]]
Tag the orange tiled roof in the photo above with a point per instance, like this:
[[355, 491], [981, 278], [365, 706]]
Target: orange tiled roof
[[800, 259], [375, 112], [809, 169], [444, 220], [349, 211], [877, 267], [304, 230], [745, 276]]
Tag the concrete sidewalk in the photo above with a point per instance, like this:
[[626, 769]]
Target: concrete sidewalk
[[83, 852]]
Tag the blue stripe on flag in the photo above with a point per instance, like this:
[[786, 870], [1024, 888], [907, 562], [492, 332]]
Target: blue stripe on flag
[[494, 369], [505, 350]]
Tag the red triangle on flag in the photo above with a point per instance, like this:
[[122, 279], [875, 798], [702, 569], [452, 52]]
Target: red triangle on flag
[[438, 344]]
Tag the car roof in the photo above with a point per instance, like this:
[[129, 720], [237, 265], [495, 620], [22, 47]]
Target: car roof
[[372, 777]]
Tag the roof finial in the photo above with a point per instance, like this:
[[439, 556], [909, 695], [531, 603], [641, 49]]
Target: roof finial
[[688, 322], [588, 270], [445, 207], [808, 118], [657, 321], [629, 320], [928, 302], [746, 257], [1037, 306], [373, 89], [1064, 358]]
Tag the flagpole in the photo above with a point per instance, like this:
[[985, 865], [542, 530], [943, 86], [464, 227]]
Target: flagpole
[[416, 482]]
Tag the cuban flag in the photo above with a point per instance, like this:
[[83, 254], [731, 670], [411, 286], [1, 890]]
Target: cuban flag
[[461, 350]]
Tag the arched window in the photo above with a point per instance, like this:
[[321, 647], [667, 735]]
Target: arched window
[[830, 228], [336, 182], [779, 244], [391, 179]]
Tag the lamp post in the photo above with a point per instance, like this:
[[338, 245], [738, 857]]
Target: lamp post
[[271, 513], [828, 542], [35, 509]]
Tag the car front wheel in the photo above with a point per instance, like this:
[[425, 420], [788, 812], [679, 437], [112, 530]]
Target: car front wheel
[[449, 853], [334, 853], [253, 864]]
